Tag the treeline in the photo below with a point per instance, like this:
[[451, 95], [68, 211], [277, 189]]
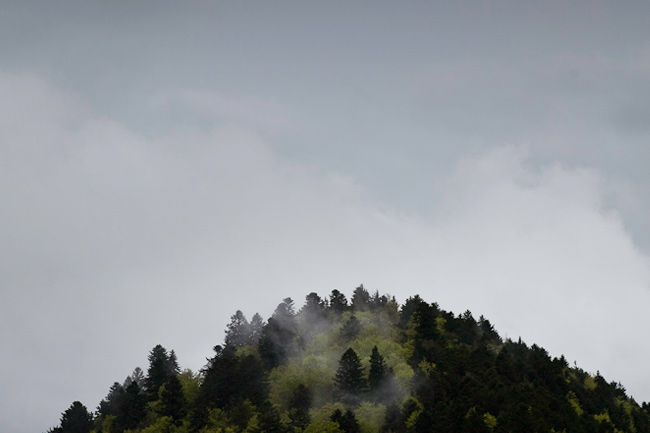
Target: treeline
[[363, 365]]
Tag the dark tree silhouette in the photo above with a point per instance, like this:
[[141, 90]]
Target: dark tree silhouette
[[349, 375], [338, 302], [76, 419], [160, 368], [132, 408], [238, 332], [256, 325], [347, 421], [360, 299], [172, 399], [109, 405], [377, 372]]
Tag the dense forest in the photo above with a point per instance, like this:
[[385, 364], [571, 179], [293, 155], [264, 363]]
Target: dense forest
[[364, 365]]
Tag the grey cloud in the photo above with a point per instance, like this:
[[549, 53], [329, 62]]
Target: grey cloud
[[203, 156]]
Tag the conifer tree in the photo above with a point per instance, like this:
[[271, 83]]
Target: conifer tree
[[159, 370], [360, 299], [349, 375], [172, 364], [346, 421], [338, 302], [238, 332], [132, 408], [109, 405], [256, 325], [76, 419], [173, 403], [377, 372]]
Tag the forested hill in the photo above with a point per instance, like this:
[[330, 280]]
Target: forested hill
[[363, 365]]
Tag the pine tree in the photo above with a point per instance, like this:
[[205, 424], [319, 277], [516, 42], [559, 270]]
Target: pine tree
[[172, 364], [347, 421], [360, 299], [76, 419], [173, 403], [238, 332], [256, 325], [377, 372], [338, 302], [109, 405], [159, 370], [349, 375], [132, 408]]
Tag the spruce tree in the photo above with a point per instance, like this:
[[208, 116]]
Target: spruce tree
[[346, 421], [377, 372], [338, 302], [256, 325], [360, 299], [349, 375], [132, 408], [238, 332], [173, 403], [76, 419], [159, 370]]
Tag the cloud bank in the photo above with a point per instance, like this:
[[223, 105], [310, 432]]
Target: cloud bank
[[113, 242]]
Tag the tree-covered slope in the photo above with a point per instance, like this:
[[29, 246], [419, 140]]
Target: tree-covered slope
[[363, 365]]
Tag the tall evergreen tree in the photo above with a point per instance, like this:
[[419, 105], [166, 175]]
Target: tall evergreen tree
[[256, 325], [360, 299], [172, 399], [109, 405], [346, 421], [238, 332], [159, 370], [377, 372], [132, 408], [172, 364], [76, 419], [338, 302], [349, 375]]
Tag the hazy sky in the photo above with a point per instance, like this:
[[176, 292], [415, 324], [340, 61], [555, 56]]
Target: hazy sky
[[163, 164]]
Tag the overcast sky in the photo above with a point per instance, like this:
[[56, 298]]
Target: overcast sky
[[163, 164]]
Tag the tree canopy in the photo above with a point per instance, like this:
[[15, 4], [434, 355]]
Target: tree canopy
[[365, 366]]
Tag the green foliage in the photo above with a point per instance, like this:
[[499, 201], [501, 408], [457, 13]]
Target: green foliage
[[323, 426], [575, 403], [590, 383], [299, 407], [490, 421], [365, 366], [173, 402], [370, 416]]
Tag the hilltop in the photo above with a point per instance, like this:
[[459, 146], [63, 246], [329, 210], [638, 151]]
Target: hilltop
[[368, 365]]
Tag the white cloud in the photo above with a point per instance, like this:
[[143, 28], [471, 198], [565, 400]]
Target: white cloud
[[113, 242]]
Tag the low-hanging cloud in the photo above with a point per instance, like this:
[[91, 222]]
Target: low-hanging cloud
[[114, 242]]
